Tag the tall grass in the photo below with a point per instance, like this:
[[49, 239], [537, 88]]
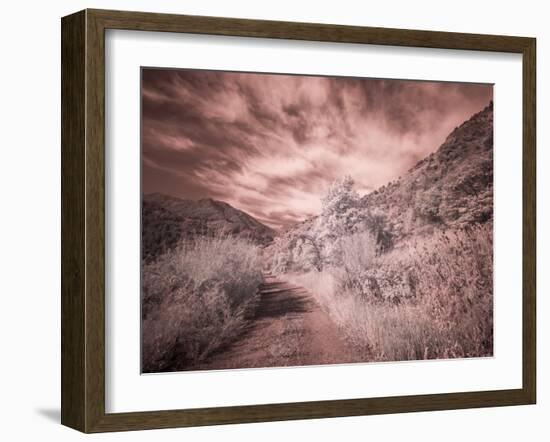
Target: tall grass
[[431, 298], [357, 252], [195, 299]]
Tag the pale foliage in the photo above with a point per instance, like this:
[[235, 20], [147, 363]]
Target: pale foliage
[[429, 299], [338, 206], [317, 245], [195, 299], [340, 216], [357, 252]]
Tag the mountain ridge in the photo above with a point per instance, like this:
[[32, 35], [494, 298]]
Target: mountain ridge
[[167, 219], [451, 188]]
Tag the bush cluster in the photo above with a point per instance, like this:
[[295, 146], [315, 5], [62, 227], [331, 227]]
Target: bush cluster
[[195, 299], [428, 299]]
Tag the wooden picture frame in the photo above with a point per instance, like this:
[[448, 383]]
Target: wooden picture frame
[[83, 220]]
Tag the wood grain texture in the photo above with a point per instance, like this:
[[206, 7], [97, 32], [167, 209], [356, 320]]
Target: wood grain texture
[[83, 220], [145, 21], [95, 221], [73, 129], [529, 221]]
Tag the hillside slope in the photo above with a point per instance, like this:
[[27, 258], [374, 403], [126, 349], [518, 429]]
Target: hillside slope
[[451, 187], [167, 219]]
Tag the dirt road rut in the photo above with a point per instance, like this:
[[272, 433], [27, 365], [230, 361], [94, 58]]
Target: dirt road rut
[[289, 329]]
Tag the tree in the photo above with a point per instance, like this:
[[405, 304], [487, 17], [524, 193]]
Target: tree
[[340, 197], [320, 244], [306, 252], [341, 215]]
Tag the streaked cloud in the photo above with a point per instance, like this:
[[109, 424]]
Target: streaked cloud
[[271, 144]]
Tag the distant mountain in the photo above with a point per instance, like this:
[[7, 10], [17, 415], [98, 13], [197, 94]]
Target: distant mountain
[[452, 187], [167, 219]]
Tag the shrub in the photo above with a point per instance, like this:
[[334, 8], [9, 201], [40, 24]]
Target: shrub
[[357, 252], [315, 244], [161, 230], [195, 299], [431, 298]]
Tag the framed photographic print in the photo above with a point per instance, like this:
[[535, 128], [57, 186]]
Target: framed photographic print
[[267, 220]]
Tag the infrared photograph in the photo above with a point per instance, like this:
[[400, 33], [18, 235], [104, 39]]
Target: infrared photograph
[[293, 220]]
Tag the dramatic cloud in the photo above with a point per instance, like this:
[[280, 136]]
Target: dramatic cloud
[[271, 144]]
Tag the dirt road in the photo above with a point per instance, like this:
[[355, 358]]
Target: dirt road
[[288, 329]]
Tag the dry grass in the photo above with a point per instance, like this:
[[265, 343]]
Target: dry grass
[[195, 299], [428, 299]]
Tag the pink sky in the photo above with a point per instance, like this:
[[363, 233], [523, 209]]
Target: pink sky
[[271, 144]]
